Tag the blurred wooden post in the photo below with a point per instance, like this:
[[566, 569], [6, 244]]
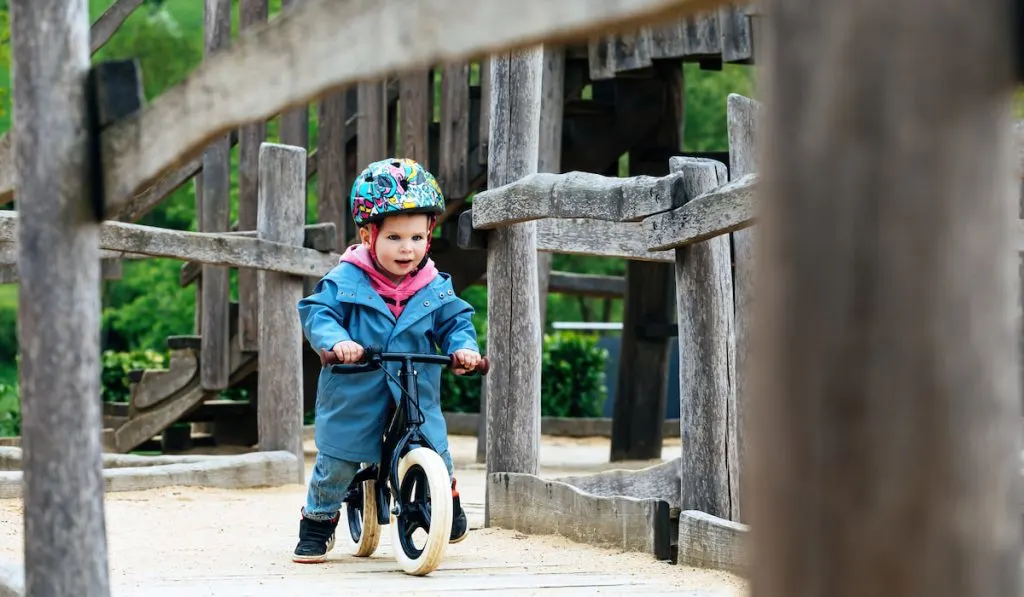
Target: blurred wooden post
[[59, 303], [214, 216], [282, 208], [513, 334], [886, 445]]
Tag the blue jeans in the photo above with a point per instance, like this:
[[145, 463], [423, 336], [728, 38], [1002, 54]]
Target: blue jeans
[[329, 483]]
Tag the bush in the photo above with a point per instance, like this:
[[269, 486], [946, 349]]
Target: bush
[[572, 379], [10, 411], [8, 334], [116, 366]]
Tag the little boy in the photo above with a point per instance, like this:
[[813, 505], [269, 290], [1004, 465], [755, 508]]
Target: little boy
[[384, 292]]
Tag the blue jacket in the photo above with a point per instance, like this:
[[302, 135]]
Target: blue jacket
[[351, 409]]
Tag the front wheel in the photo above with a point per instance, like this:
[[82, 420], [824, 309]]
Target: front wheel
[[421, 533], [361, 514]]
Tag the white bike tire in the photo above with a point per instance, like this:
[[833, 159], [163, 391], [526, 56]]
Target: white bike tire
[[369, 537], [440, 488]]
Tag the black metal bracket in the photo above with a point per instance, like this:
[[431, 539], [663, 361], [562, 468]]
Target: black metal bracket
[[113, 92], [469, 238]]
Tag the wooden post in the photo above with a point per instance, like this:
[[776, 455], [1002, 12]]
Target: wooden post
[[251, 14], [549, 159], [59, 303], [332, 196], [704, 302], [294, 128], [371, 126], [215, 366], [887, 430], [513, 334], [282, 202], [742, 116], [642, 391]]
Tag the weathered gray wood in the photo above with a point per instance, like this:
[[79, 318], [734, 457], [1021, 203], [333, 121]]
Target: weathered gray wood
[[215, 217], [887, 422], [372, 125], [529, 504], [167, 134], [58, 331], [668, 40], [453, 165], [660, 481], [726, 209], [513, 330], [576, 195], [251, 13], [549, 149], [109, 22], [294, 124], [332, 190], [707, 541], [601, 58], [220, 249], [110, 269], [737, 44], [632, 50], [580, 236], [157, 385], [742, 116], [414, 92], [704, 298], [321, 237], [485, 114], [701, 34], [595, 285], [281, 217]]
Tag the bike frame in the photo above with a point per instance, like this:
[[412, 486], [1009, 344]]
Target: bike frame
[[402, 431]]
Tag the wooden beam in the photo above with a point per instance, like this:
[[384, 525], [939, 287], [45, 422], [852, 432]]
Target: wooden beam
[[218, 249], [513, 327], [58, 302], [320, 237], [594, 285], [725, 209], [576, 195], [232, 88], [598, 238], [282, 211], [887, 425], [110, 21]]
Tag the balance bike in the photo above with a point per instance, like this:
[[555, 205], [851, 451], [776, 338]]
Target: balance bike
[[409, 476]]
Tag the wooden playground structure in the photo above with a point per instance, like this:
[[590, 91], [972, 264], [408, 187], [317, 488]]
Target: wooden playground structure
[[872, 404]]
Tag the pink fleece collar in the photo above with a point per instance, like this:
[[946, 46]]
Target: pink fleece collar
[[395, 295]]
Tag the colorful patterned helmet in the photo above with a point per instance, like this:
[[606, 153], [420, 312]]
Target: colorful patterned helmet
[[394, 186]]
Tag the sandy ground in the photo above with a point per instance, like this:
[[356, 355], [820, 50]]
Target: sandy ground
[[177, 541]]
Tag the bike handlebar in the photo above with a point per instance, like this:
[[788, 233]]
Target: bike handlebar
[[373, 356]]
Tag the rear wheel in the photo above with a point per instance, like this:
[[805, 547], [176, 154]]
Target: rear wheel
[[421, 533], [363, 535]]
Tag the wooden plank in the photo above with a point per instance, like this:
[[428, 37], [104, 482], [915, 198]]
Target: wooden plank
[[888, 412], [742, 117], [549, 148], [513, 329], [576, 195], [601, 57], [281, 218], [414, 98], [707, 541], [171, 130], [294, 124], [598, 238], [214, 216], [322, 237], [65, 547], [701, 35], [632, 50], [668, 40], [332, 190], [595, 285], [219, 249], [704, 299], [453, 172], [485, 112], [251, 13], [737, 43], [109, 22], [719, 211], [372, 124]]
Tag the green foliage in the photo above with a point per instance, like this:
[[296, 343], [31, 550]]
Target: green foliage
[[572, 379], [116, 365], [705, 109], [10, 410], [8, 334]]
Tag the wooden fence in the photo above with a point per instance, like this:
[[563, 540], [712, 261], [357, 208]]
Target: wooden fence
[[888, 416]]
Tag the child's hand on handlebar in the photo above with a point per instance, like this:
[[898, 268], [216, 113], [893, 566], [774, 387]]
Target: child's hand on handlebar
[[348, 351], [467, 360]]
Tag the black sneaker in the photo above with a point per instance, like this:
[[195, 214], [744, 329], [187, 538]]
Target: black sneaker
[[316, 538], [460, 526]]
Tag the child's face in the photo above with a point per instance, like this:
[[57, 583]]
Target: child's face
[[401, 243]]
